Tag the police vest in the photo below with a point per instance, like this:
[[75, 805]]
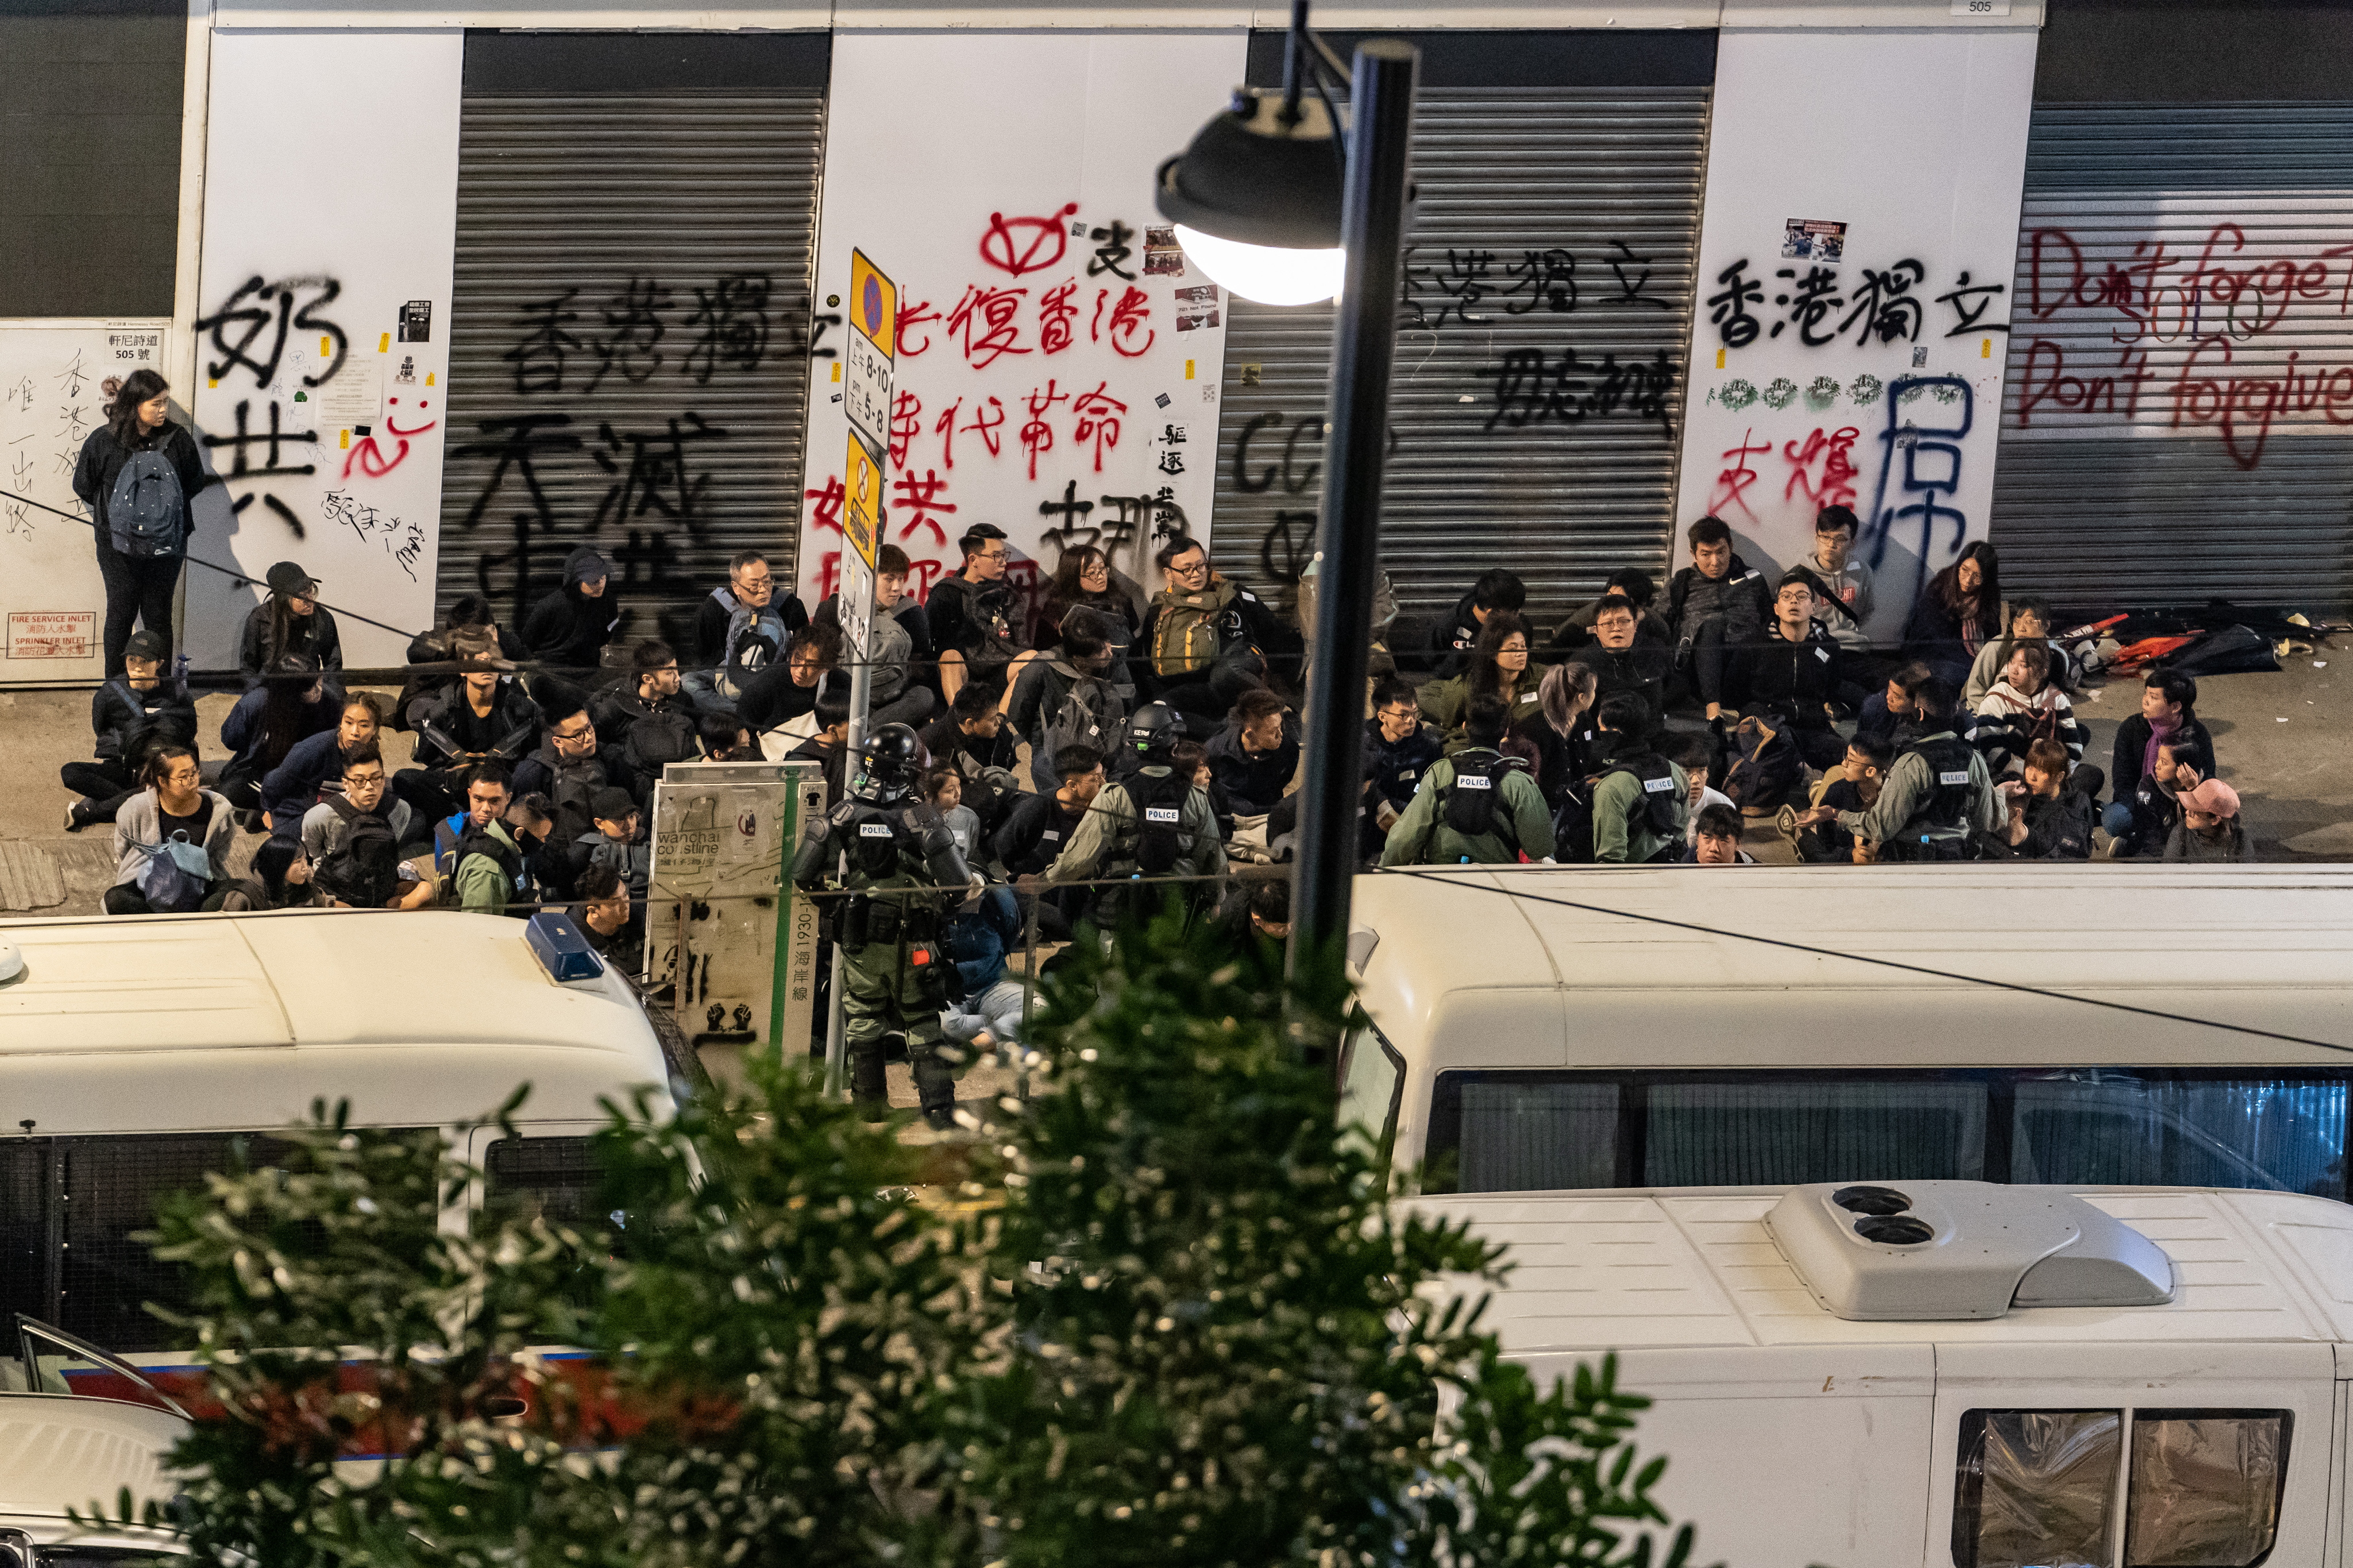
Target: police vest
[[1949, 758], [872, 835], [1469, 804], [1159, 819], [1657, 777]]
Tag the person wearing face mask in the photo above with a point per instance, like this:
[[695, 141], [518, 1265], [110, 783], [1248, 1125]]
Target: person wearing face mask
[[1626, 663], [129, 713], [290, 625], [315, 766], [898, 644], [2022, 708], [569, 628], [170, 839], [138, 473]]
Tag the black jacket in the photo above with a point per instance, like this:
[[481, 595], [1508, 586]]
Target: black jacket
[[316, 642], [540, 772], [950, 747], [1563, 763], [614, 710], [1253, 781], [1792, 679], [770, 698], [1640, 668], [1395, 768], [568, 628], [126, 721], [1740, 597], [2153, 809], [1454, 639], [101, 460], [1036, 830], [1933, 633], [242, 734], [511, 727]]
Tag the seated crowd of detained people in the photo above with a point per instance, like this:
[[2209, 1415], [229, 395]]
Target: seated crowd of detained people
[[1960, 743], [536, 788]]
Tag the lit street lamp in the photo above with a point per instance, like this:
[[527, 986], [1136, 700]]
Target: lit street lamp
[[1284, 199]]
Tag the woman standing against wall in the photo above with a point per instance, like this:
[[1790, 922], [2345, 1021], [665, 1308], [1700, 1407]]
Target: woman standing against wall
[[138, 476]]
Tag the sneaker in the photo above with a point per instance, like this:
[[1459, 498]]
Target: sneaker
[[75, 822], [1785, 823]]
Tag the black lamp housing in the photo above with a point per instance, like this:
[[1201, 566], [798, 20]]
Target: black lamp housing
[[1266, 171]]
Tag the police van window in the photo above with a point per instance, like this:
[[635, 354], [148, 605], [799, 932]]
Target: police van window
[[112, 1188], [2036, 1489], [550, 1178], [2205, 1487], [24, 1177], [1502, 1131], [2107, 1129], [1371, 1086]]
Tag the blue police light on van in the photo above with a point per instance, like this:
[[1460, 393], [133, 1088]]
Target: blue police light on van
[[561, 949]]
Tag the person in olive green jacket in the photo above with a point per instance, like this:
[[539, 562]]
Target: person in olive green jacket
[[1478, 806], [1642, 802], [1499, 665]]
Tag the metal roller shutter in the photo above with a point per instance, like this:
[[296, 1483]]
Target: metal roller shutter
[[1541, 354], [2178, 424], [629, 345]]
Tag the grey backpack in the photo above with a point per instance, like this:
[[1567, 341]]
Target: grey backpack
[[1089, 714], [144, 515]]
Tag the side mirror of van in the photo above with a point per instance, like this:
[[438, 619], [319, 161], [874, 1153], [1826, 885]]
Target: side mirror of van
[[16, 1549]]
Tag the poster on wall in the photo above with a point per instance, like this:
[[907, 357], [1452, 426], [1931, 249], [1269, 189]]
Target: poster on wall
[[52, 375], [1056, 363], [320, 384], [1858, 360]]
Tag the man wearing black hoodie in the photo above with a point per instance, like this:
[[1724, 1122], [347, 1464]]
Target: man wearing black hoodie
[[1496, 589], [1254, 756], [1717, 608], [130, 713], [1625, 660], [569, 628]]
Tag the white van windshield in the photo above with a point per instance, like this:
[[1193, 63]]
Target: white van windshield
[[1512, 1132]]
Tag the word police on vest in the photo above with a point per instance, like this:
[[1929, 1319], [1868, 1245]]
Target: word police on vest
[[1167, 813], [873, 830], [1475, 781], [1961, 778], [1661, 786]]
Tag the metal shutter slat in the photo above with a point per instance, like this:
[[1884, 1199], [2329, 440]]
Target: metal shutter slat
[[1504, 170], [2105, 506], [560, 191]]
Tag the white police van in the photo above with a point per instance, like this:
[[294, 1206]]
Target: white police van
[[1920, 1271], [136, 1054]]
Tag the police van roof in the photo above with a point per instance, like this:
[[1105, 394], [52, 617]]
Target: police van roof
[[237, 1021], [1624, 1270], [1475, 968]]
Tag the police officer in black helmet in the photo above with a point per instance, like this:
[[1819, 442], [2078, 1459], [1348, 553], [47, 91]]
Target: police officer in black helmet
[[1151, 823], [904, 875]]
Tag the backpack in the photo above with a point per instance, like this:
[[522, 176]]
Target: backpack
[[989, 617], [473, 840], [1089, 712], [146, 515], [656, 740], [1765, 765], [1468, 806], [755, 637], [1159, 813], [176, 876], [1185, 636], [1657, 777], [366, 872]]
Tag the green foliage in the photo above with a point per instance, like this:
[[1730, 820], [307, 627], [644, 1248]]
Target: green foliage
[[1233, 1349], [1194, 1332]]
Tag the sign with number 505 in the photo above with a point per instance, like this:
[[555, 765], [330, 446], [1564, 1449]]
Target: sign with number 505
[[1981, 7]]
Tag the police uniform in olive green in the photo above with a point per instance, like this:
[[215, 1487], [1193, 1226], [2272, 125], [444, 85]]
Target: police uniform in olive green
[[904, 875]]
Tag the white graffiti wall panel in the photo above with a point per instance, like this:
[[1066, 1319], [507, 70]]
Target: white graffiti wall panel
[[52, 377], [1057, 361], [1854, 281], [323, 339]]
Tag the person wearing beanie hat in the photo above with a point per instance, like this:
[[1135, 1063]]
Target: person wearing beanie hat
[[569, 628], [2209, 829], [290, 625]]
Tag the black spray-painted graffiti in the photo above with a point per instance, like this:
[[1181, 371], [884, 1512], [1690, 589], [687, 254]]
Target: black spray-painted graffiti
[[1134, 525], [730, 326], [1920, 470], [1467, 289], [249, 334], [1533, 389], [1882, 307]]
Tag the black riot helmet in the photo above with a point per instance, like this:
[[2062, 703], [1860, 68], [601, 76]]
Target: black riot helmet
[[894, 759], [1153, 729]]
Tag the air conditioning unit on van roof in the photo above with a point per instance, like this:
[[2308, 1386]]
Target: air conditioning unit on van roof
[[1913, 1251]]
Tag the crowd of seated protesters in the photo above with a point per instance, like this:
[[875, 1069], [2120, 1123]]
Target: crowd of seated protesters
[[1644, 728]]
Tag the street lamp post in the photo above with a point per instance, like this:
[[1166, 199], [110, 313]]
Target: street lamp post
[[1278, 202]]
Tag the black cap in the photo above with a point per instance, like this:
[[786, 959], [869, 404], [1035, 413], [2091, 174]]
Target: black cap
[[145, 644], [288, 579], [584, 566], [611, 804]]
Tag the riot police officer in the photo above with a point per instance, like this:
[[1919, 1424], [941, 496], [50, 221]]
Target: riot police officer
[[1153, 823], [904, 874]]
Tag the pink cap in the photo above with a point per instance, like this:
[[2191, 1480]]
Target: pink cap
[[2214, 796]]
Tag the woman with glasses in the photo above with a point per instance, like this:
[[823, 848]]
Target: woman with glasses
[[1087, 581], [175, 819], [1498, 668]]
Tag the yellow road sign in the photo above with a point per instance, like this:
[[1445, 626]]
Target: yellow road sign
[[861, 502]]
